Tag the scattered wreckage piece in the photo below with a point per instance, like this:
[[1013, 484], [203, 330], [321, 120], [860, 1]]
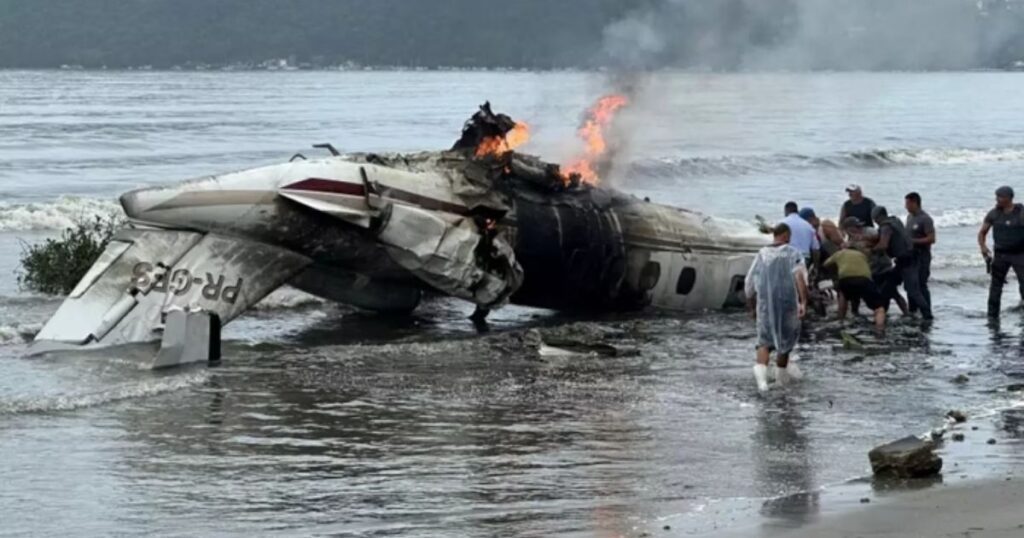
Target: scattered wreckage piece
[[910, 457], [378, 230], [188, 336]]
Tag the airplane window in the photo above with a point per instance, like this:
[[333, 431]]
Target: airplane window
[[736, 296], [650, 275], [687, 279]]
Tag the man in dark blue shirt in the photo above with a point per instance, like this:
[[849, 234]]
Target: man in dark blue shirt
[[921, 228]]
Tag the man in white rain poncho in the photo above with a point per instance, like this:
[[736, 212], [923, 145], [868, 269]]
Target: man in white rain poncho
[[776, 289]]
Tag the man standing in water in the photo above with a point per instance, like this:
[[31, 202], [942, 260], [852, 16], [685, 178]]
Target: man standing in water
[[922, 237], [776, 289], [894, 241], [1007, 223], [857, 206]]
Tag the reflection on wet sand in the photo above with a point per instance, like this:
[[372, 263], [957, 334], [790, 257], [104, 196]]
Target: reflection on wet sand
[[782, 460]]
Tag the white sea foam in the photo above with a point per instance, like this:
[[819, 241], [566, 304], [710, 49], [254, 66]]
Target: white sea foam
[[56, 215], [961, 260], [18, 334], [287, 297], [955, 218], [960, 217], [735, 228], [952, 155]]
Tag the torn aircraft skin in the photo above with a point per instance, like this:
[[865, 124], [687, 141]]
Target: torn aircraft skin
[[377, 230]]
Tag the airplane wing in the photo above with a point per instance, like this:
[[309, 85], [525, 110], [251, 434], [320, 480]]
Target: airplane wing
[[145, 273]]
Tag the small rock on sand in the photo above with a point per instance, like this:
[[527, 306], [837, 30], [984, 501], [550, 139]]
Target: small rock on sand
[[865, 500], [958, 437], [957, 416], [991, 441], [961, 379], [909, 457]]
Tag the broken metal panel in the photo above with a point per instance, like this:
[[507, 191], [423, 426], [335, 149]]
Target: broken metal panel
[[188, 337], [573, 255], [452, 176], [333, 205], [445, 255]]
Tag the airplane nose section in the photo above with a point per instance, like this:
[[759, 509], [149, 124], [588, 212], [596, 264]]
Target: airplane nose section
[[139, 203]]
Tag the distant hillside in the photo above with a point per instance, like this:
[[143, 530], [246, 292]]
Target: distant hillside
[[430, 33], [535, 34]]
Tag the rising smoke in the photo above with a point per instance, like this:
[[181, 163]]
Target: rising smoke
[[755, 35], [795, 35]]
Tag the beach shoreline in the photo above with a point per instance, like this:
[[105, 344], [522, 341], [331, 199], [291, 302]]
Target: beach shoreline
[[988, 507], [977, 494]]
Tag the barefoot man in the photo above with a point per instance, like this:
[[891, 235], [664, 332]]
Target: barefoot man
[[776, 289]]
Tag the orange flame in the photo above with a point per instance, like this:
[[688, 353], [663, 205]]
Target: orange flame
[[592, 133], [500, 145]]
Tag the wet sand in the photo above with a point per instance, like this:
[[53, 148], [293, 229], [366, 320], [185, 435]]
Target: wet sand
[[978, 494], [990, 508]]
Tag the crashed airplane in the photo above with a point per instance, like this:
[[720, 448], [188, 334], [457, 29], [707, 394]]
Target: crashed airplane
[[377, 231]]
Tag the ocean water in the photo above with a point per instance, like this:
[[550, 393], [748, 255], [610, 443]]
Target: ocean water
[[325, 420]]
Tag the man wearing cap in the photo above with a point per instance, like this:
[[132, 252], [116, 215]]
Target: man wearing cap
[[922, 237], [894, 241], [857, 206], [802, 235], [1006, 221]]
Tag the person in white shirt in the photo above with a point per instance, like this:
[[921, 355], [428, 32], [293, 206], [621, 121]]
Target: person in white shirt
[[803, 236]]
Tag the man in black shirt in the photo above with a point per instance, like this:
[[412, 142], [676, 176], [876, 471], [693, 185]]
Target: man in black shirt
[[857, 206], [1007, 224], [894, 241], [922, 237]]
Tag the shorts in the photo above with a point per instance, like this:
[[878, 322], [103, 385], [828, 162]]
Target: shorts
[[862, 289]]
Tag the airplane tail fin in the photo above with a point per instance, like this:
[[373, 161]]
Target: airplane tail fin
[[146, 273]]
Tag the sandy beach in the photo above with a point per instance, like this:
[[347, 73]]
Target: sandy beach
[[990, 508]]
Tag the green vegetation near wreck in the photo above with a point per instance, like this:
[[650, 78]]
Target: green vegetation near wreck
[[55, 265]]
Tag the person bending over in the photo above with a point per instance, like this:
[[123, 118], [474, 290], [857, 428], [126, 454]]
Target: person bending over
[[855, 283], [894, 241]]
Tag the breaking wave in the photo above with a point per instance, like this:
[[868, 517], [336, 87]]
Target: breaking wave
[[875, 158], [956, 218], [56, 215]]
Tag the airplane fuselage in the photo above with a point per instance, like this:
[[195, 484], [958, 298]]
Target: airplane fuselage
[[591, 248]]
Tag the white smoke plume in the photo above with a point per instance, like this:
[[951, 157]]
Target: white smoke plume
[[796, 35]]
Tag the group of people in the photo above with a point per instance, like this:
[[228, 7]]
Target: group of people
[[866, 265], [868, 256]]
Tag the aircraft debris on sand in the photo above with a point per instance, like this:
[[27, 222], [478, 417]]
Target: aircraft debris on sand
[[480, 222]]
